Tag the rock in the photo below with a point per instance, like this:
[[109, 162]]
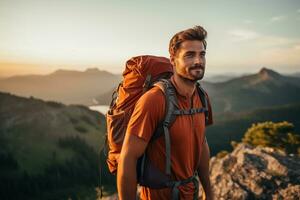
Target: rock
[[255, 173], [289, 193]]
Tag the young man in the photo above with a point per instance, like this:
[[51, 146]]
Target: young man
[[189, 150]]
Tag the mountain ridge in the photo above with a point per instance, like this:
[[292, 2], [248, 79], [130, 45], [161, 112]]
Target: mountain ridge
[[262, 89], [69, 87]]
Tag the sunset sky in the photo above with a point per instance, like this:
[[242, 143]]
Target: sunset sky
[[39, 37]]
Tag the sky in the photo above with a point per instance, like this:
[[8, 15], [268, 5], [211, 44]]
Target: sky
[[39, 36]]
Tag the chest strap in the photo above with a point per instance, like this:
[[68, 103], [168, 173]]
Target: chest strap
[[191, 111]]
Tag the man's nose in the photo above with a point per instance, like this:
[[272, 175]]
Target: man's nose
[[198, 60]]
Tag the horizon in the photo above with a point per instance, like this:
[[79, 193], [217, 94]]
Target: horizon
[[207, 75], [39, 37]]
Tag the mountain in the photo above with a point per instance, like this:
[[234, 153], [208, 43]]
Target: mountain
[[229, 127], [105, 98], [255, 173], [66, 86], [48, 150], [220, 78], [264, 89], [297, 74]]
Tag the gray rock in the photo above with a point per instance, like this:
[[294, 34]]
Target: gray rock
[[255, 173]]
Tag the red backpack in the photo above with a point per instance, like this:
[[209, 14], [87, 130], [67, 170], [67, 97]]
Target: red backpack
[[140, 74]]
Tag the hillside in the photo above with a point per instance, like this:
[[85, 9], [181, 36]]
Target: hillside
[[229, 127], [220, 77], [297, 74], [69, 87], [264, 89], [47, 147]]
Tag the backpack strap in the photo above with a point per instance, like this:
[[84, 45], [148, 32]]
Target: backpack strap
[[204, 101], [172, 110], [147, 83], [171, 105], [114, 98], [175, 184], [163, 127], [190, 111]]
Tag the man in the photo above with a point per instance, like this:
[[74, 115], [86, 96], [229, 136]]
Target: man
[[190, 152]]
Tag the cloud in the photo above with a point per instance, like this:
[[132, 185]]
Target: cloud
[[298, 10], [278, 18], [243, 35]]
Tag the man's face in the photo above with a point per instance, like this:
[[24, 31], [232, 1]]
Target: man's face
[[189, 61]]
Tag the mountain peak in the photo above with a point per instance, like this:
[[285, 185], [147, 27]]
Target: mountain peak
[[72, 72], [64, 72], [266, 73], [92, 70]]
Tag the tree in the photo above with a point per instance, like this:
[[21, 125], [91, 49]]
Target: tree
[[277, 135]]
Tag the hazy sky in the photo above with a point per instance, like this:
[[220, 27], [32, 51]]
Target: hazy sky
[[38, 36]]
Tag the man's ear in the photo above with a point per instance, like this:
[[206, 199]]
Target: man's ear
[[172, 60]]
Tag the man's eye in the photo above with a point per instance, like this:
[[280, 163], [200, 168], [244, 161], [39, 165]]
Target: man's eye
[[188, 55]]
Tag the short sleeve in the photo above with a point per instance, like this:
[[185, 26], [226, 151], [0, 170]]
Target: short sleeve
[[148, 112]]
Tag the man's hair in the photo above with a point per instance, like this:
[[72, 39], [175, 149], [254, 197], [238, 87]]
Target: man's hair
[[196, 33]]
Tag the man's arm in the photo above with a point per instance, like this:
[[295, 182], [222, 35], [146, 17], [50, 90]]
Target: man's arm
[[203, 171], [133, 147]]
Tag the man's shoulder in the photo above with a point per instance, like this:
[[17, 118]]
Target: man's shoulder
[[154, 95]]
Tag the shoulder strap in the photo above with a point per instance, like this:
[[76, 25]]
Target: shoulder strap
[[204, 102], [171, 104], [114, 98], [171, 101]]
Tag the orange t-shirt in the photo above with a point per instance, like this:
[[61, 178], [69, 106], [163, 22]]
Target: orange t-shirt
[[186, 136]]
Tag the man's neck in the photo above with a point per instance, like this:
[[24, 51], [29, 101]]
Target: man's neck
[[186, 85]]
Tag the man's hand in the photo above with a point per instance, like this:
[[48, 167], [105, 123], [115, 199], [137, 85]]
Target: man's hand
[[133, 147]]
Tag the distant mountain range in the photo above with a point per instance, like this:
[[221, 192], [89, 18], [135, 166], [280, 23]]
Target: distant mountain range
[[297, 74], [69, 87], [264, 89], [220, 78]]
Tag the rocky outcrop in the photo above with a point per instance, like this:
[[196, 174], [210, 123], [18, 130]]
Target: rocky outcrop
[[255, 173]]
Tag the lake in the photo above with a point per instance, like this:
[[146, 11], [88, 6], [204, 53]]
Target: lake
[[100, 108]]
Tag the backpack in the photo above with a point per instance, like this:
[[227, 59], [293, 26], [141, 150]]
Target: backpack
[[141, 74]]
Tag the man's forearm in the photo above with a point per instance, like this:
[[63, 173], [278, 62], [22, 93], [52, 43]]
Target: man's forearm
[[203, 172], [204, 178], [126, 179]]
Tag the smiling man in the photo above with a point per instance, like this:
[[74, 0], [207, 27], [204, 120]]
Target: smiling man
[[190, 151]]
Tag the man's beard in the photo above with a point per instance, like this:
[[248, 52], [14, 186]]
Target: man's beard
[[196, 72]]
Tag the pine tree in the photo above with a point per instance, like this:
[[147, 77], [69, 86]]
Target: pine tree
[[277, 135]]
